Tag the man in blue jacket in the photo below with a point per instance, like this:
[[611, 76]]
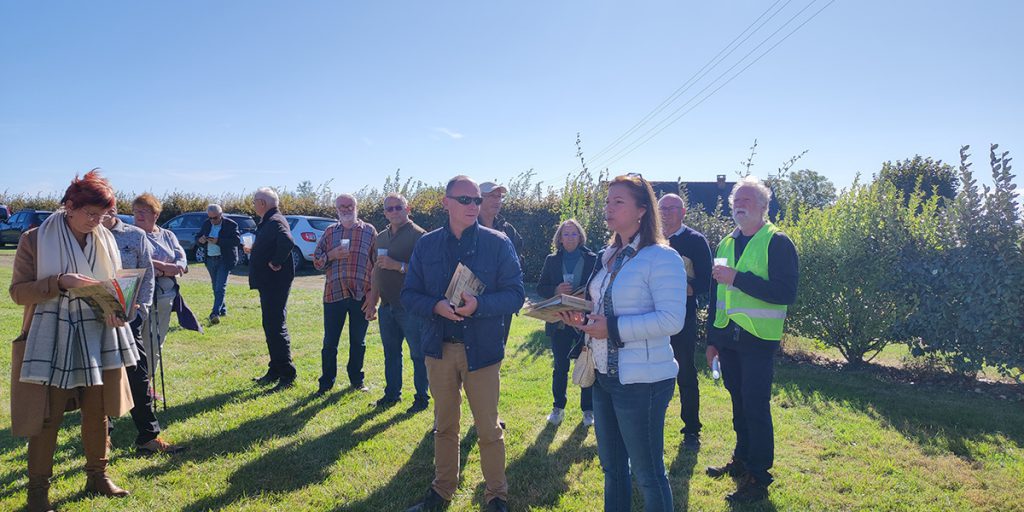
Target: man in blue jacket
[[464, 345], [220, 236]]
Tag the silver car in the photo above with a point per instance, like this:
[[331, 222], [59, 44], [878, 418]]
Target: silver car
[[306, 231]]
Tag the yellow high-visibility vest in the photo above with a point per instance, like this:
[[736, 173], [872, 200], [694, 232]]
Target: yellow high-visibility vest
[[762, 319]]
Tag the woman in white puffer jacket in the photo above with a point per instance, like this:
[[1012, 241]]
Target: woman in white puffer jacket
[[639, 295]]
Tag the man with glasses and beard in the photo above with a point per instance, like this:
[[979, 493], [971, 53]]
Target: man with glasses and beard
[[346, 253], [464, 345], [746, 322]]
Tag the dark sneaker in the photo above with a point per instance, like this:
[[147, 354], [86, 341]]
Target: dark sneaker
[[363, 388], [418, 404], [386, 403], [691, 441], [158, 445], [214, 319], [748, 491], [432, 502], [497, 505], [282, 385], [735, 468], [266, 380], [322, 390]]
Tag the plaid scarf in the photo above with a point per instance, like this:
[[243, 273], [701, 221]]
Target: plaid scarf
[[68, 344]]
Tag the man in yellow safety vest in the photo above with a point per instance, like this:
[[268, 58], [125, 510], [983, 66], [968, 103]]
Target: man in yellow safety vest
[[755, 283]]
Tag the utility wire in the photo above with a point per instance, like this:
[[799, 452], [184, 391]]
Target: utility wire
[[668, 121], [696, 77]]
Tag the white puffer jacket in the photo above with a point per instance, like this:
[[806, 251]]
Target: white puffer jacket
[[649, 299]]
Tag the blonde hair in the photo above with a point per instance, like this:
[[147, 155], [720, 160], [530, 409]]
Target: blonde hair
[[150, 201], [556, 241]]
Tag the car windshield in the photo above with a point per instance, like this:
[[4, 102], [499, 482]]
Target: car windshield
[[244, 223], [321, 224]]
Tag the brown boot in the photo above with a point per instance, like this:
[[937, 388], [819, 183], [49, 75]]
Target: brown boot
[[100, 483], [39, 495]]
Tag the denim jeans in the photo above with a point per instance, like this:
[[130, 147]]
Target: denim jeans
[[396, 324], [629, 421], [219, 270], [561, 345], [334, 322]]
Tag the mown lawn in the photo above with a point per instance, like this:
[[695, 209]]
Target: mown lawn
[[844, 440]]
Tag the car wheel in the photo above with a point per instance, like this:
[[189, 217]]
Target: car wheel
[[200, 254], [297, 259]]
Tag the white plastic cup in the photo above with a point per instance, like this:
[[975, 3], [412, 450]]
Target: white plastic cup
[[345, 243], [722, 261], [382, 252], [247, 240]]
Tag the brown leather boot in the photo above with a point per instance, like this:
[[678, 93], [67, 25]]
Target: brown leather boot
[[39, 495], [100, 483]]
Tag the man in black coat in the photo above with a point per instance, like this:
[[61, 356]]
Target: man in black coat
[[220, 236], [271, 272], [693, 247]]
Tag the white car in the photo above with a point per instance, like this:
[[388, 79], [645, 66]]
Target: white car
[[306, 231]]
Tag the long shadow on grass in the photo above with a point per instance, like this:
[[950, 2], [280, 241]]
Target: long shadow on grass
[[281, 423], [679, 474], [403, 489], [308, 462], [930, 417], [536, 344], [122, 437], [539, 477]]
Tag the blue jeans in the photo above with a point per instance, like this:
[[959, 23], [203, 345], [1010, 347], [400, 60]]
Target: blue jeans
[[334, 322], [561, 345], [219, 270], [629, 421], [396, 324]]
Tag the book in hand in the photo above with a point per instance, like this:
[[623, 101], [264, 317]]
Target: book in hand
[[113, 296], [548, 310], [463, 280]]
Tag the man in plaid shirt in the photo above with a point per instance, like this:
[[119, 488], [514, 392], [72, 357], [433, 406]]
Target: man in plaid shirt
[[346, 252]]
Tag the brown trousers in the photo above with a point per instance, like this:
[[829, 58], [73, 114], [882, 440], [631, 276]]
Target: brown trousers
[[448, 376], [94, 431]]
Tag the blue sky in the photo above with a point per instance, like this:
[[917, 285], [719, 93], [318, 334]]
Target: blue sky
[[227, 96]]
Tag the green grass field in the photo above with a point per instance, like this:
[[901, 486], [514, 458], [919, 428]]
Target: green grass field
[[844, 440]]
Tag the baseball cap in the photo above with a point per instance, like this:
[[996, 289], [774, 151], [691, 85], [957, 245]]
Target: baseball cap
[[489, 186]]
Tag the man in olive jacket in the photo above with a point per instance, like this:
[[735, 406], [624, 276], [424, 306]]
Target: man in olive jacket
[[271, 272], [464, 345]]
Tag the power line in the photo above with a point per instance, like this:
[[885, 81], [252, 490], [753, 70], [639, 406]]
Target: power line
[[668, 121], [709, 65]]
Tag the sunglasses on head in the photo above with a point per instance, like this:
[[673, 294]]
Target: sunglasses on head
[[467, 200], [394, 208]]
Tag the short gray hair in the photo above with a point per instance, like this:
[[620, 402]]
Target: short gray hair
[[347, 196], [214, 208], [396, 195], [267, 194], [751, 181]]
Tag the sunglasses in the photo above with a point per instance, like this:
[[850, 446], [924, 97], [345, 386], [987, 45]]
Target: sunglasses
[[394, 208], [467, 200]]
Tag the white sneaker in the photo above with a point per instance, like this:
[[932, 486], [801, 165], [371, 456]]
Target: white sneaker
[[588, 418], [556, 416]]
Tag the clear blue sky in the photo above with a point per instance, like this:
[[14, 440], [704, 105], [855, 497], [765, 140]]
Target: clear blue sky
[[227, 96]]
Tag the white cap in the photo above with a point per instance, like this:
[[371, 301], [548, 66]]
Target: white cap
[[489, 186]]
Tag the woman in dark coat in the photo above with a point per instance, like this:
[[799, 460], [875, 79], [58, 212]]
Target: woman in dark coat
[[566, 271]]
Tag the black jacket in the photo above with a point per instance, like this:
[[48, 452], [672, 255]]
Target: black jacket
[[228, 240], [273, 244], [551, 277]]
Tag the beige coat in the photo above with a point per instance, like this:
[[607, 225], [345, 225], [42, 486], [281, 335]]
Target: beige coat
[[30, 402]]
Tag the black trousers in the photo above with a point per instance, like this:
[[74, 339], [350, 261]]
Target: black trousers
[[683, 346], [748, 368], [138, 381], [274, 306]]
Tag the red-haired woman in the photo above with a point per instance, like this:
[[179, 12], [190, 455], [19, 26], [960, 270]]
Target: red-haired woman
[[67, 355]]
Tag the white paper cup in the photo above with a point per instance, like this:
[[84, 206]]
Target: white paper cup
[[722, 261], [247, 241], [382, 252], [345, 243]]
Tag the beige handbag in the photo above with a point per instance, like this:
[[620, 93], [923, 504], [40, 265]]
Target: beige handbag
[[583, 372]]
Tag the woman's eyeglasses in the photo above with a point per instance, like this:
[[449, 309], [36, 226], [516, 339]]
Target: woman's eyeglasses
[[467, 200]]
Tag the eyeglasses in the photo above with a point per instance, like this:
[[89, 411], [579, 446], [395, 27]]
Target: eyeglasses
[[98, 216], [570, 235], [390, 209], [635, 175], [142, 211], [467, 200]]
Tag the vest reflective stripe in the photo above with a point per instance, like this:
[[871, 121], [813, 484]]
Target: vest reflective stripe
[[762, 319]]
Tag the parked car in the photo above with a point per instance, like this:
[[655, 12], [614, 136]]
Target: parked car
[[306, 231], [127, 219], [186, 225], [5, 212], [12, 228]]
